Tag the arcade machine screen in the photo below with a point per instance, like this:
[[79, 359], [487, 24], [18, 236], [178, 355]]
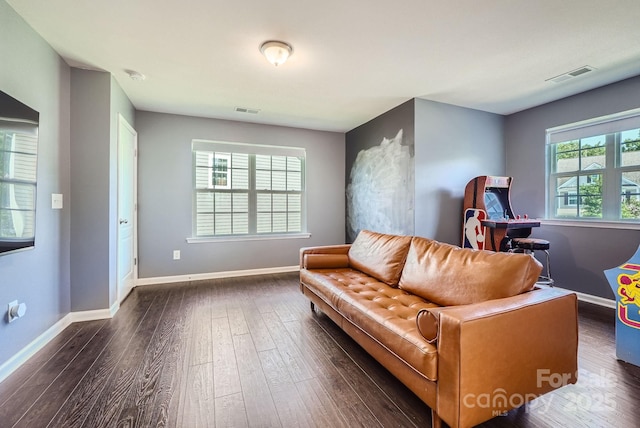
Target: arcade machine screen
[[496, 201]]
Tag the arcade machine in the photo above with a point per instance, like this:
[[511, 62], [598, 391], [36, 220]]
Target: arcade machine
[[489, 222]]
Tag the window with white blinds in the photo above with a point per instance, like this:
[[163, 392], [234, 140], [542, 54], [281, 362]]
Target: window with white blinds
[[244, 189]]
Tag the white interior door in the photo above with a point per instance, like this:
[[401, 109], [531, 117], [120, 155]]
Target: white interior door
[[127, 195]]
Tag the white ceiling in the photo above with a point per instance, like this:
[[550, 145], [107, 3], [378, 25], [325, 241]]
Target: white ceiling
[[352, 60]]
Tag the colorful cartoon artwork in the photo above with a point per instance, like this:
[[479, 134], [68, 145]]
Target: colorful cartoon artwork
[[625, 283], [629, 293], [472, 230]]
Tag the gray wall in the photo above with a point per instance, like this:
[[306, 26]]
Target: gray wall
[[96, 101], [453, 145], [89, 200], [165, 195], [579, 254], [34, 74]]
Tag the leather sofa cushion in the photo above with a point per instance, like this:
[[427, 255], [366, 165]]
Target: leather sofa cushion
[[385, 313], [325, 261], [449, 275], [379, 255]]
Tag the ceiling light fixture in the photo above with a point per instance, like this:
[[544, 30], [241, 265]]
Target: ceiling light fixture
[[276, 52]]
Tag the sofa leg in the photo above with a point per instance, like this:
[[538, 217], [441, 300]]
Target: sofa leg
[[313, 307], [436, 422]]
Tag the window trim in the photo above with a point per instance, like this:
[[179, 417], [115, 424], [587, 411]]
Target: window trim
[[612, 172]]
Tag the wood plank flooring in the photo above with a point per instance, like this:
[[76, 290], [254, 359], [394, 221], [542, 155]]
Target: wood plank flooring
[[248, 352]]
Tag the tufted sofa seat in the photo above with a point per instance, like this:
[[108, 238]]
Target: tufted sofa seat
[[452, 324], [385, 313]]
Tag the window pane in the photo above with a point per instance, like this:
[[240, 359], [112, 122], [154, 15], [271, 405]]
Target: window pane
[[565, 209], [204, 202], [278, 163], [264, 202], [294, 164], [203, 159], [280, 202], [295, 203], [240, 203], [264, 223], [630, 148], [630, 196], [263, 180], [17, 196], [591, 206], [240, 179], [279, 222], [202, 178], [565, 204], [592, 152], [223, 202], [294, 181], [239, 160], [240, 223], [204, 224], [590, 195], [223, 224], [263, 162], [16, 223], [567, 156], [220, 180], [294, 223], [23, 166], [279, 180]]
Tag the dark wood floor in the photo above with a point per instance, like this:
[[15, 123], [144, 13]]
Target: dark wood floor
[[248, 352]]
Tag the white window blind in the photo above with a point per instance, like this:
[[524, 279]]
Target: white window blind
[[244, 189]]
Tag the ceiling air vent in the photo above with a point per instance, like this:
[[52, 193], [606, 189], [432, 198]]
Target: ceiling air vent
[[571, 74], [247, 110]]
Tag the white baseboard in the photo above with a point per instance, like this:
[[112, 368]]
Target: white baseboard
[[596, 300], [98, 314], [214, 275], [13, 363], [28, 351]]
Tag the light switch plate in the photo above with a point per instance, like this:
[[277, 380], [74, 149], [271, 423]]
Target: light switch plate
[[56, 201]]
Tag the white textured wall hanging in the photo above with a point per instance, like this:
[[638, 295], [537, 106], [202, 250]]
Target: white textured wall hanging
[[381, 189]]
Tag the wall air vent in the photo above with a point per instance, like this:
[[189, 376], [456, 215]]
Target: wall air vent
[[571, 74], [247, 110]]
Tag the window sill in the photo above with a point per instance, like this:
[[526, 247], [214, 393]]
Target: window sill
[[208, 239], [592, 223]]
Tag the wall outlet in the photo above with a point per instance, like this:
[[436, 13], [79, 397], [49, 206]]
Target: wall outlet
[[15, 310], [176, 254]]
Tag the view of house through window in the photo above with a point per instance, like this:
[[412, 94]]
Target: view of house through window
[[594, 170], [244, 189]]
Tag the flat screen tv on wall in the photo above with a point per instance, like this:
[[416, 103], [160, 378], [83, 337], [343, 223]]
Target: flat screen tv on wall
[[18, 168]]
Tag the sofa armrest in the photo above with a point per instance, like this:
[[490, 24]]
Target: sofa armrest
[[330, 251], [497, 355]]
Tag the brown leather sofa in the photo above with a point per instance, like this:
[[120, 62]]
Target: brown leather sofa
[[467, 331]]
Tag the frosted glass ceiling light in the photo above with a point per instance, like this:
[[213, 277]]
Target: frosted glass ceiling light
[[276, 52]]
